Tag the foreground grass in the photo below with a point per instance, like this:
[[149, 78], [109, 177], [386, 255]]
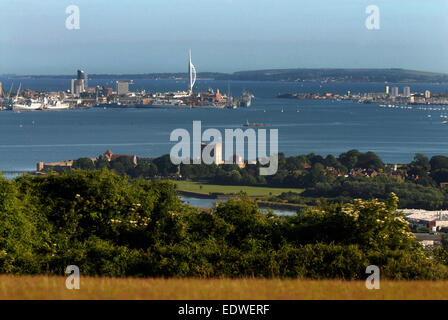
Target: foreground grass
[[191, 186], [42, 287]]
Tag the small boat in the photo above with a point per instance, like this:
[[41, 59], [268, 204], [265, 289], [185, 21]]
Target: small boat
[[248, 124]]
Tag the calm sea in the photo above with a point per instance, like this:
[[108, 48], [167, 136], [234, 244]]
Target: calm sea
[[322, 127]]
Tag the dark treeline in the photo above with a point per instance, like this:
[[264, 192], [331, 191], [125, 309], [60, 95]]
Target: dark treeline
[[110, 225], [352, 174], [298, 74]]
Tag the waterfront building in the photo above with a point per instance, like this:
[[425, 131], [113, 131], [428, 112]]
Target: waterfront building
[[105, 91], [1, 89], [83, 76], [60, 166], [407, 92], [80, 84], [111, 156], [395, 92], [434, 220], [122, 87], [77, 87], [427, 94], [387, 90]]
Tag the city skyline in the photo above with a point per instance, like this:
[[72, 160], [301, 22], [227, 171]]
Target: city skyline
[[225, 36]]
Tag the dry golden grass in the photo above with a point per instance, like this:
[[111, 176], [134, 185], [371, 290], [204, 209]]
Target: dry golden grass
[[42, 287]]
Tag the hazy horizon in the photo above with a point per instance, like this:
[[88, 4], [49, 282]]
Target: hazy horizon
[[205, 71]]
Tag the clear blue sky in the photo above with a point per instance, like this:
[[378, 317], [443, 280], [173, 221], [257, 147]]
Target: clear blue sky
[[141, 36]]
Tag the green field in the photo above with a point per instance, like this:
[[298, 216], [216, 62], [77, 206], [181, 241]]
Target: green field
[[195, 187]]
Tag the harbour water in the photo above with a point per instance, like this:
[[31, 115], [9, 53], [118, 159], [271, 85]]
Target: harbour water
[[305, 126], [209, 203]]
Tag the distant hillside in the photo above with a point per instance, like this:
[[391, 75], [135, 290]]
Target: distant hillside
[[341, 75], [155, 76], [336, 75]]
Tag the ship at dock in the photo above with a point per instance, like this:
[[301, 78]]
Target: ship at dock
[[55, 105], [20, 103], [26, 105], [246, 99]]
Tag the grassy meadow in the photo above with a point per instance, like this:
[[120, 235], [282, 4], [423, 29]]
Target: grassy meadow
[[43, 287], [191, 186]]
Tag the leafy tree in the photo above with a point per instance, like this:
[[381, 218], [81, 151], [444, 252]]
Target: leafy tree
[[164, 166], [369, 160], [350, 158], [439, 162], [83, 163], [331, 161], [112, 225], [420, 164], [20, 240], [440, 175]]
